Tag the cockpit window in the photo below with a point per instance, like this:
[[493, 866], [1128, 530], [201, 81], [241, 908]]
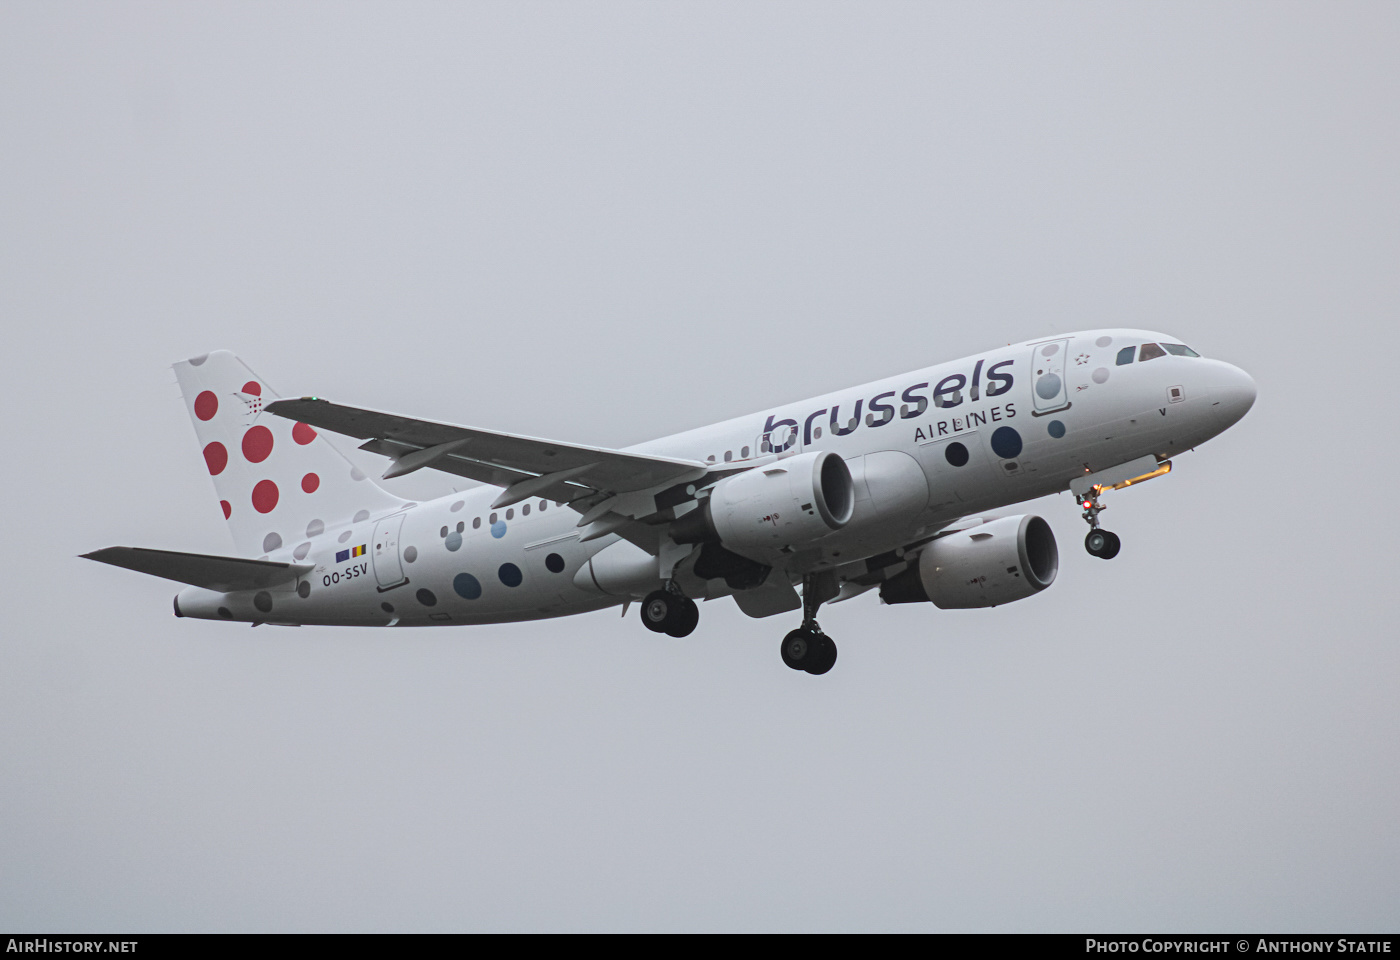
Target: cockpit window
[[1150, 351], [1180, 350], [1126, 355]]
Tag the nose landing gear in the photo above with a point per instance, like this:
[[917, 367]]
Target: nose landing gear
[[1099, 543], [670, 612]]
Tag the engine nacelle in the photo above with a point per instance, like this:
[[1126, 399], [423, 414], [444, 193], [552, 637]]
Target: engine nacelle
[[983, 566], [786, 503]]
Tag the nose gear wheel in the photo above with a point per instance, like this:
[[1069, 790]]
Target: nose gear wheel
[[1102, 544], [1099, 542]]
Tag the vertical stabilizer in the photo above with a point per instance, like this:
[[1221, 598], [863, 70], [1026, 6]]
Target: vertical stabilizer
[[279, 484]]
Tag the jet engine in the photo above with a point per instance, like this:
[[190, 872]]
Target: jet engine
[[762, 510], [983, 566]]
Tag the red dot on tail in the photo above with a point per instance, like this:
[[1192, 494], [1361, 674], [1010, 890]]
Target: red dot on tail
[[228, 508], [303, 434], [310, 482], [206, 405], [216, 456], [253, 387], [257, 444], [265, 496]]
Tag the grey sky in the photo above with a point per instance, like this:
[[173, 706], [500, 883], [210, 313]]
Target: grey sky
[[609, 222]]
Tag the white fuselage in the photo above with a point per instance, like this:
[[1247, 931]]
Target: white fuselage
[[1071, 410]]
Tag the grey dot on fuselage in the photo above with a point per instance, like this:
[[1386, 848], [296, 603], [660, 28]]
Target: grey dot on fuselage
[[271, 542], [301, 551], [356, 473], [199, 360], [1050, 350], [1101, 375], [315, 528], [410, 554], [1048, 387], [456, 506], [453, 541], [344, 536], [1103, 341], [361, 516]]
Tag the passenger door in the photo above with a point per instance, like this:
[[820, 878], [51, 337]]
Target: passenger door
[[388, 568], [1049, 388]]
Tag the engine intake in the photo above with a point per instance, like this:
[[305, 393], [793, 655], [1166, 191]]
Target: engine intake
[[760, 511], [983, 566]]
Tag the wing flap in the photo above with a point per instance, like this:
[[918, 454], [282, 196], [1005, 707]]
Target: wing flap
[[224, 574]]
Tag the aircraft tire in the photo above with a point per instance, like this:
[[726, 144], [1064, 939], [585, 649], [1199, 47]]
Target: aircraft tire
[[686, 620], [797, 649], [1111, 548], [659, 610], [825, 656], [1096, 542]]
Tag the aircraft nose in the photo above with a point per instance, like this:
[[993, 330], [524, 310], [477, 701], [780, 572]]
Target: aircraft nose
[[1232, 394]]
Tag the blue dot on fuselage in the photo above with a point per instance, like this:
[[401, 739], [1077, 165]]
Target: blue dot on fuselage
[[1006, 442], [1055, 428], [498, 529], [467, 586], [1048, 387], [510, 575]]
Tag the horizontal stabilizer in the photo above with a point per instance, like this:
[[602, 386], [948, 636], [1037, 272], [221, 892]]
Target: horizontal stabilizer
[[224, 574]]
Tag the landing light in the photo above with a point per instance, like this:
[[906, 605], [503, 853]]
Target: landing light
[[1162, 470]]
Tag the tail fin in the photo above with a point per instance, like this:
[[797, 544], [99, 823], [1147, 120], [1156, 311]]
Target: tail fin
[[279, 484]]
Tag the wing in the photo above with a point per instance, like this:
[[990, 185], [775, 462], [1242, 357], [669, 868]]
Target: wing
[[526, 466], [223, 574]]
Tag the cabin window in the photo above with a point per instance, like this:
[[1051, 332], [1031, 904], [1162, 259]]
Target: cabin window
[[491, 519], [1179, 350], [1125, 355], [744, 452], [525, 510], [543, 505], [1150, 351], [728, 455], [461, 526], [510, 514], [476, 523]]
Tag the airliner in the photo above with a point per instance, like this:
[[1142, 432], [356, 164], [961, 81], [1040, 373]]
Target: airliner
[[902, 486]]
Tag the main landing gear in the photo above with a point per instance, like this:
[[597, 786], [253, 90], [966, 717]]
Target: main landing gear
[[807, 648], [1099, 542], [670, 612]]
